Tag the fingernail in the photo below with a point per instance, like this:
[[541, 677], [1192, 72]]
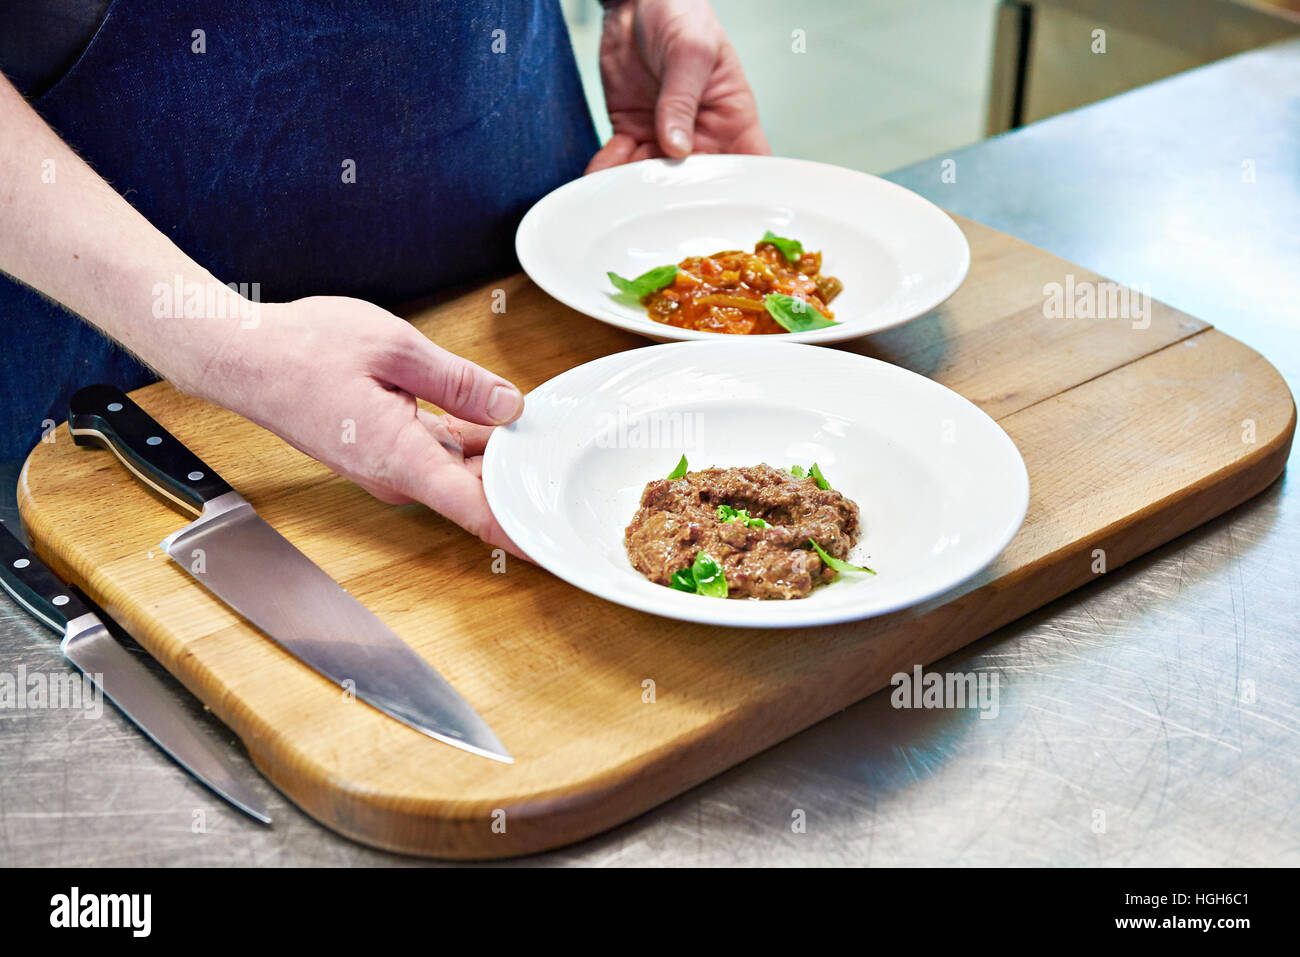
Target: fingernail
[[503, 403], [679, 140]]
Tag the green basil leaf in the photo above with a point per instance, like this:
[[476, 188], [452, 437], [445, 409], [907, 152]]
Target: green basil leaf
[[644, 284], [816, 473], [730, 516], [798, 472], [680, 470], [683, 580], [795, 315], [709, 579], [838, 564], [791, 249]]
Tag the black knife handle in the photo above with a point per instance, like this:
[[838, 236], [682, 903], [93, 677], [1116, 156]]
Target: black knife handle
[[35, 587], [104, 415]]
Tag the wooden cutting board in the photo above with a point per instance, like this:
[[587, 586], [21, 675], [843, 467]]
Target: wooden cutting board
[[1131, 435]]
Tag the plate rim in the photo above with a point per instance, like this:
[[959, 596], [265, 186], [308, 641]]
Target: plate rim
[[716, 613]]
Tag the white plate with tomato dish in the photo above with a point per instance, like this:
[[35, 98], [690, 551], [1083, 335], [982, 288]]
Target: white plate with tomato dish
[[762, 246], [701, 480]]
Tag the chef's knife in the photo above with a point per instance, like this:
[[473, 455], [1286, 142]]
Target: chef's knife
[[123, 680], [253, 569]]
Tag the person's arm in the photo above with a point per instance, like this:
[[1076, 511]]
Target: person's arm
[[65, 232], [302, 370], [673, 84]]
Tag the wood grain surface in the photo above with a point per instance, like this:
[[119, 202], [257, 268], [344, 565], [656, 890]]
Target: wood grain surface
[[1132, 435]]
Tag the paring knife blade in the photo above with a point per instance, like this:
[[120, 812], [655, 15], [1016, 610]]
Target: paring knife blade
[[256, 571], [139, 695]]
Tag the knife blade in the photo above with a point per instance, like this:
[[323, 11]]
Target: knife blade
[[138, 694], [250, 566]]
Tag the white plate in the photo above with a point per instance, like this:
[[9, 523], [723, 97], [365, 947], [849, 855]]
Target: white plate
[[897, 254], [941, 487]]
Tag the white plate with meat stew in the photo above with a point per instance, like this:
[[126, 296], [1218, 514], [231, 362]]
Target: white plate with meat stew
[[939, 489], [678, 249]]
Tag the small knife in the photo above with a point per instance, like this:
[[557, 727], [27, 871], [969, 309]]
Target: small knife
[[257, 572], [123, 680]]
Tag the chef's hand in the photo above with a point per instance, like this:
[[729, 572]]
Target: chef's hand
[[338, 378], [673, 84]]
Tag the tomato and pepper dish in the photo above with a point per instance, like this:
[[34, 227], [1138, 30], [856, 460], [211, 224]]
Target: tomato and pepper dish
[[775, 289]]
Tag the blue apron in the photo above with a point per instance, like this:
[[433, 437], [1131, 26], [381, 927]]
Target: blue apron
[[382, 150]]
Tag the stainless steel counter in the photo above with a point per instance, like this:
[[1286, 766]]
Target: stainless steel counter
[[1150, 718]]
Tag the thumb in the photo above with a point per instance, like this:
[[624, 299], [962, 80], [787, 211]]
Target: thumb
[[687, 68], [455, 385]]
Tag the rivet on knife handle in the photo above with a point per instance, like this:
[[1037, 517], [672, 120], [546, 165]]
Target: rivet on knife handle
[[104, 415]]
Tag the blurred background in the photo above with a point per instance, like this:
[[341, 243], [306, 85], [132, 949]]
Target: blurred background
[[885, 83]]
